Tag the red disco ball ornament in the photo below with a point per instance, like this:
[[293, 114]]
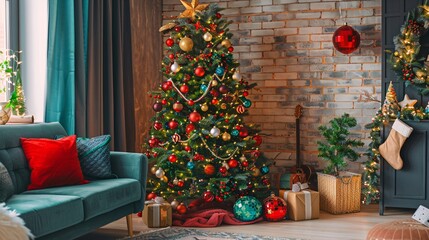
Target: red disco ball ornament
[[346, 39], [274, 208]]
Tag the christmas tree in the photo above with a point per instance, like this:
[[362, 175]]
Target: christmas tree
[[17, 98], [199, 144]]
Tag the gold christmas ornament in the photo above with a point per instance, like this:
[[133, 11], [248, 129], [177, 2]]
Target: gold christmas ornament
[[192, 8], [223, 106], [214, 83], [256, 172], [165, 178], [226, 136], [204, 107], [186, 44], [153, 169], [226, 43], [207, 37]]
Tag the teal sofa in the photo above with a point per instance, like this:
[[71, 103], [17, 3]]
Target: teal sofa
[[71, 211]]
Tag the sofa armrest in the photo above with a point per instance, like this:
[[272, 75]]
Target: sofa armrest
[[131, 165]]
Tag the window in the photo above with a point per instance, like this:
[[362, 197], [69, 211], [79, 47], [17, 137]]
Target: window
[[3, 33]]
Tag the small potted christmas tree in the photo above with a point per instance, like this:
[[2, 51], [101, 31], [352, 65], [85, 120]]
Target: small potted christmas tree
[[339, 191]]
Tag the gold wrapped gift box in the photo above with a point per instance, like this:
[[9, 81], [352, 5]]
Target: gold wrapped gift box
[[157, 215], [302, 205]]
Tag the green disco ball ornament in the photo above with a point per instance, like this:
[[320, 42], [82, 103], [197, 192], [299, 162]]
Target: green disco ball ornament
[[247, 209]]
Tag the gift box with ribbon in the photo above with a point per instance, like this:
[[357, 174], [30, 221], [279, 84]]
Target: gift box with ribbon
[[301, 204], [157, 213]]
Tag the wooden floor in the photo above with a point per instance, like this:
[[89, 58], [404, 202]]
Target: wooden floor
[[346, 226]]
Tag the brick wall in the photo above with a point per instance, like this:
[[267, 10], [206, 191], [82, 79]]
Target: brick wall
[[285, 46]]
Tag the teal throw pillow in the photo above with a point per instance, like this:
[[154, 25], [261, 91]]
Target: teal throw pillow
[[6, 185], [94, 156]]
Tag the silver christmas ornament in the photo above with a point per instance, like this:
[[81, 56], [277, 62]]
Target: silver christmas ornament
[[174, 204], [215, 132], [236, 76], [159, 173], [175, 67]]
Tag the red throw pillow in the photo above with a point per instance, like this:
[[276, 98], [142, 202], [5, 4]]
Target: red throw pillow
[[52, 162]]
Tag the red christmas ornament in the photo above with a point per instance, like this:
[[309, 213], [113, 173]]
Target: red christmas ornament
[[169, 42], [208, 196], [245, 93], [232, 163], [157, 125], [258, 140], [245, 163], [243, 132], [218, 15], [157, 107], [153, 142], [178, 29], [230, 49], [187, 148], [223, 89], [199, 71], [172, 158], [181, 209], [209, 169], [190, 128], [191, 102], [209, 45], [240, 109], [215, 101], [274, 208], [176, 137], [171, 56], [345, 39], [184, 88], [198, 157], [151, 196], [219, 198], [173, 124], [214, 93], [164, 101], [180, 183], [177, 107], [194, 117], [223, 170], [166, 86], [139, 214]]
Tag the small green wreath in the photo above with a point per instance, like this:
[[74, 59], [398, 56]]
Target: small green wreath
[[405, 61]]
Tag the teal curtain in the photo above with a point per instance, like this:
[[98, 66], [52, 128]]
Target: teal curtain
[[60, 99]]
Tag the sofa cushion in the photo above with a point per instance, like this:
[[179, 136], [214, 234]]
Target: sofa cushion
[[52, 162], [44, 213], [94, 156], [6, 185], [99, 196], [11, 153]]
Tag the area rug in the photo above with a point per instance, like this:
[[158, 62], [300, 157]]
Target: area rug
[[196, 234]]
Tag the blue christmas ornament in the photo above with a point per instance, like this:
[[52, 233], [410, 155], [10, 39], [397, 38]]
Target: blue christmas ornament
[[265, 169], [220, 71], [247, 103], [191, 165], [235, 132], [247, 209], [203, 87]]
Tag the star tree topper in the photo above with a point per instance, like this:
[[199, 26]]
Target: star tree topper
[[192, 8], [407, 102]]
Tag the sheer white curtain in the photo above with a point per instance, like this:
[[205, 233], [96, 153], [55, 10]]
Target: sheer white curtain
[[33, 41]]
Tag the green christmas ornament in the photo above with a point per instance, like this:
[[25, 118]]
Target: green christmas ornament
[[247, 209], [235, 132]]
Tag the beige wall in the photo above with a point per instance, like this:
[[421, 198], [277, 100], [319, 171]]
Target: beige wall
[[2, 34], [285, 46]]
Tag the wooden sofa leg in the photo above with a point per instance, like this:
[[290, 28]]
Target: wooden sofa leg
[[130, 225]]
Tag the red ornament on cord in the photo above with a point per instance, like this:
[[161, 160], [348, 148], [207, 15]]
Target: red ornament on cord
[[181, 209], [209, 169], [274, 208], [346, 39], [151, 196], [199, 71], [208, 196], [194, 117], [184, 88], [169, 42]]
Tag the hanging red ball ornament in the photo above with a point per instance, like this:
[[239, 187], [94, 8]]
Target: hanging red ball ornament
[[172, 158], [215, 101], [166, 86], [157, 107], [173, 124], [218, 15], [194, 117], [187, 148], [153, 142], [232, 163], [199, 71], [157, 126], [208, 196], [245, 163], [258, 140], [223, 170], [184, 88], [180, 183], [181, 209], [244, 132], [274, 208], [209, 169], [230, 49], [171, 56], [214, 93], [190, 128], [169, 42], [346, 39], [245, 93], [151, 196], [191, 102], [177, 107], [178, 29], [164, 101]]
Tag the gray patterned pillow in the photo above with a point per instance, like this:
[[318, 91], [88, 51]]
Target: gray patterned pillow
[[94, 156], [6, 185]]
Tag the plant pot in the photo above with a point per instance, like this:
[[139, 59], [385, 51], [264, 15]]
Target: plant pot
[[4, 113], [340, 194]]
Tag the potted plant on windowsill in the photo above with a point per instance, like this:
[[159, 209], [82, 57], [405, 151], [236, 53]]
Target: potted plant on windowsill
[[10, 83], [339, 190]]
